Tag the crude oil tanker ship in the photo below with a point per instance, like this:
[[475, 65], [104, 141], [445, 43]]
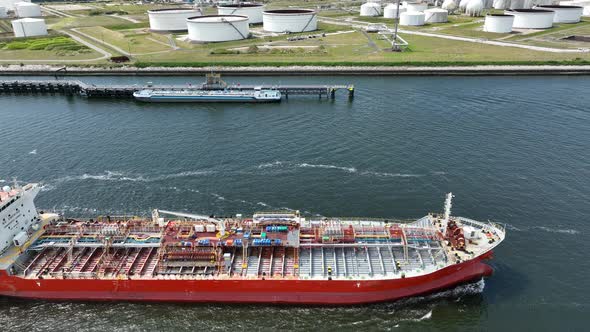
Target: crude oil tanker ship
[[270, 257]]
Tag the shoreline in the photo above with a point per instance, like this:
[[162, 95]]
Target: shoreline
[[478, 70]]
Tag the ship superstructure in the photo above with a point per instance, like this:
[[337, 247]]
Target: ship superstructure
[[17, 214], [274, 256]]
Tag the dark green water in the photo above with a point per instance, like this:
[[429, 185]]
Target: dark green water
[[515, 150]]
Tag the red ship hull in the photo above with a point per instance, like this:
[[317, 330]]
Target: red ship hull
[[291, 291]]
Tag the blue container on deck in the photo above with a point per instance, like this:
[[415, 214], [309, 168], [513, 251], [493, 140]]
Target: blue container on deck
[[246, 235], [278, 242]]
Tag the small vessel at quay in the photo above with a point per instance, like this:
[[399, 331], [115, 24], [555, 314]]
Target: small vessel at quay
[[258, 95], [269, 257]]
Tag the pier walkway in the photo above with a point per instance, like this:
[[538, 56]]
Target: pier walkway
[[75, 87]]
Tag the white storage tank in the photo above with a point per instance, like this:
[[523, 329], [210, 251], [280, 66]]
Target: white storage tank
[[564, 14], [10, 4], [27, 9], [252, 10], [411, 18], [370, 9], [585, 4], [390, 11], [29, 27], [3, 12], [416, 7], [171, 19], [217, 28], [290, 20], [498, 23], [531, 18], [436, 15], [474, 8], [519, 4], [501, 4], [450, 5], [463, 5]]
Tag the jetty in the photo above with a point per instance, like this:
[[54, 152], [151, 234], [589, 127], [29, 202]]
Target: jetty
[[79, 88]]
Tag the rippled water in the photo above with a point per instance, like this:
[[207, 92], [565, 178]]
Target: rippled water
[[512, 149]]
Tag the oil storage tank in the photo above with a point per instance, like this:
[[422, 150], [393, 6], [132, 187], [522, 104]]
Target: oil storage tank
[[564, 14], [29, 27], [498, 23], [27, 9], [411, 18], [10, 4], [531, 18], [217, 28], [390, 11], [252, 10], [3, 12], [370, 9], [290, 20], [436, 15], [416, 7], [171, 19]]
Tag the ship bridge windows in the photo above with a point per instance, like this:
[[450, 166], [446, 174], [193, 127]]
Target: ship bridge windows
[[7, 204]]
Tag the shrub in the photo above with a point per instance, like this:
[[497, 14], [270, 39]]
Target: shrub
[[16, 45]]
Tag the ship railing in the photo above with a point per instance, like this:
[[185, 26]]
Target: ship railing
[[363, 221], [362, 245], [489, 226]]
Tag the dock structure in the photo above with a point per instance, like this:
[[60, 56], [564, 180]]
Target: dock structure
[[76, 87]]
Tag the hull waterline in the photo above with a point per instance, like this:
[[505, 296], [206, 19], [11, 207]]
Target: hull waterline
[[319, 292]]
